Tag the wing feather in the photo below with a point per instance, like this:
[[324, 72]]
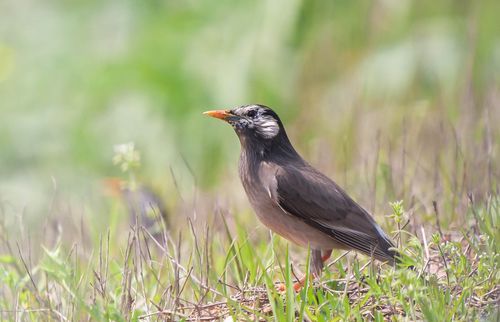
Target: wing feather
[[309, 195]]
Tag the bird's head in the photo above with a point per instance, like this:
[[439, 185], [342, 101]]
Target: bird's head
[[260, 131], [251, 121]]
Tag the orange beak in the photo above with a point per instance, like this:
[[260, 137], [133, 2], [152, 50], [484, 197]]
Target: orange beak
[[218, 114]]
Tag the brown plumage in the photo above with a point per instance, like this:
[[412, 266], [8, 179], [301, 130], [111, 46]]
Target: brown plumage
[[295, 200]]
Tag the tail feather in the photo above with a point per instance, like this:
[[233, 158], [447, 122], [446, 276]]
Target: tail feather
[[385, 251]]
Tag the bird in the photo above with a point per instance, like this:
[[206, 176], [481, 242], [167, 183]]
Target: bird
[[145, 208], [295, 200]]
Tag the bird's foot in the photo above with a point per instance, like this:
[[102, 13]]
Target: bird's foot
[[280, 287], [297, 286]]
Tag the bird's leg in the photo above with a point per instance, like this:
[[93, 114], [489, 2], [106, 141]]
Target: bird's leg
[[326, 255], [316, 266]]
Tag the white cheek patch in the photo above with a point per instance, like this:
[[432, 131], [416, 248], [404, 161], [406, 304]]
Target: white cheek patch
[[267, 127]]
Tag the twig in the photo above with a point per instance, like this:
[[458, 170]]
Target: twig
[[438, 223], [426, 248]]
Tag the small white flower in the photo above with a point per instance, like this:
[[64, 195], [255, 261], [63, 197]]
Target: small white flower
[[126, 156]]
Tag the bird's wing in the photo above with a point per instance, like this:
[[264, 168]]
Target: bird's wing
[[305, 193]]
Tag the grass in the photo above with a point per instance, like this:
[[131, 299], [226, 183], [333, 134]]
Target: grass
[[208, 275], [211, 262]]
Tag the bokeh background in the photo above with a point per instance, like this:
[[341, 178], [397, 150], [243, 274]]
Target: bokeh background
[[395, 99]]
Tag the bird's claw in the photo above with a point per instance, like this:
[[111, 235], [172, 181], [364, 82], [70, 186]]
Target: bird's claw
[[281, 287]]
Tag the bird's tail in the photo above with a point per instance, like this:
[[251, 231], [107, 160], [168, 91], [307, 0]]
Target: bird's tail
[[385, 251]]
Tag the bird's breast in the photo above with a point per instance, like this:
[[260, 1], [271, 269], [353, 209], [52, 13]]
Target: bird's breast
[[256, 192], [274, 217]]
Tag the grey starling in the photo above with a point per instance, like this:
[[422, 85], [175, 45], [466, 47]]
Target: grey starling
[[145, 208], [295, 200]]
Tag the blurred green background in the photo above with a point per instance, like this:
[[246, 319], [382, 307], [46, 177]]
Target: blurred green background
[[395, 99]]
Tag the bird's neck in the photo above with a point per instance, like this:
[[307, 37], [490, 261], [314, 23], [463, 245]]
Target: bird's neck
[[255, 152], [278, 150]]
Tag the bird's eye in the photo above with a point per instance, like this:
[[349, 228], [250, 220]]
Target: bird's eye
[[251, 113]]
